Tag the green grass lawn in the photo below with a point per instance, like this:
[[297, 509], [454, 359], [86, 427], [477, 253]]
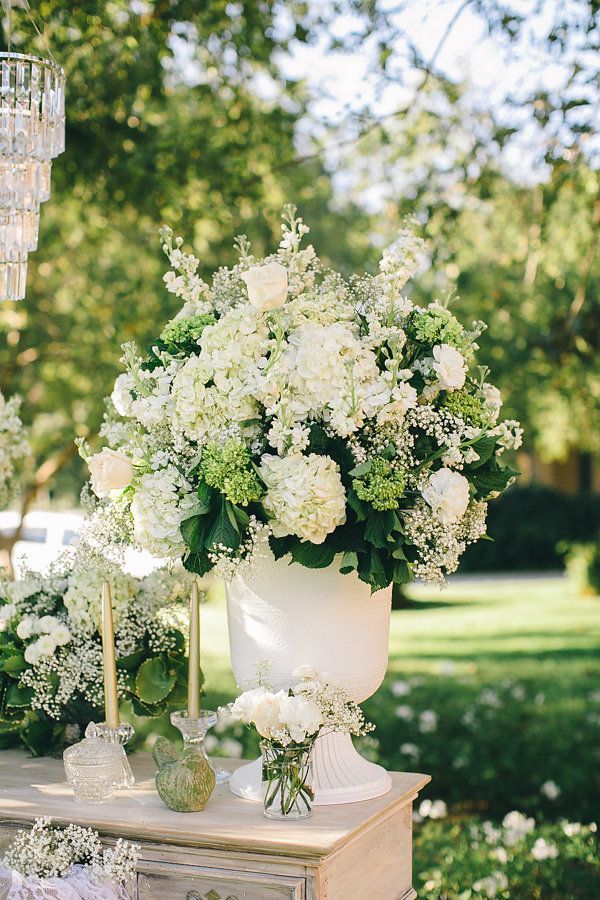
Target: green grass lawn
[[493, 689]]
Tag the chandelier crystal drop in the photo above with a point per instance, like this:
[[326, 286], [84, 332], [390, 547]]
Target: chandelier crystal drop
[[32, 133]]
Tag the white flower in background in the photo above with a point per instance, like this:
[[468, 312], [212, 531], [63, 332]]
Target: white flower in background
[[449, 366], [301, 716], [404, 712], [267, 285], [433, 809], [14, 446], [500, 854], [491, 885], [551, 790], [159, 506], [110, 471], [572, 829], [543, 850], [305, 495], [492, 399], [428, 721], [410, 750], [447, 493], [516, 826], [400, 688], [403, 258]]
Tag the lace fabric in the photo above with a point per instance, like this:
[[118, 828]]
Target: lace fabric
[[77, 885]]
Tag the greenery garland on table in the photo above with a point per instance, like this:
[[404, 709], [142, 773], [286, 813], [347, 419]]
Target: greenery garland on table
[[51, 650], [330, 417]]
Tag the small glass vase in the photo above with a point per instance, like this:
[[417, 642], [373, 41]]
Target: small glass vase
[[93, 768], [115, 736], [194, 731], [287, 781]]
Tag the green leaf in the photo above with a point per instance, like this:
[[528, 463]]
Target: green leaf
[[282, 545], [14, 665], [402, 572], [313, 556], [197, 562], [193, 531], [154, 681], [223, 530], [318, 440], [349, 562], [491, 478], [359, 506], [484, 447], [19, 696], [131, 662], [205, 495], [147, 709], [362, 469], [379, 528], [37, 736], [242, 519]]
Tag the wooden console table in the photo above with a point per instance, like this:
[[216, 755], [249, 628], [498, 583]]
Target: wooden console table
[[230, 851]]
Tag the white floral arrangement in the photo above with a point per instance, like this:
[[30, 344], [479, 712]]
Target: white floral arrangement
[[289, 408], [67, 863], [314, 706], [51, 682], [14, 446]]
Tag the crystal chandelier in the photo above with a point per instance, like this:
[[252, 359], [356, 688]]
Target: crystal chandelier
[[32, 133]]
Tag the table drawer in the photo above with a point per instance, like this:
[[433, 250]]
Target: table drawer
[[196, 883]]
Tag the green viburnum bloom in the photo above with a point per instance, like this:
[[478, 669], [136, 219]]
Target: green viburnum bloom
[[470, 409], [435, 326], [186, 331], [382, 486], [227, 468]]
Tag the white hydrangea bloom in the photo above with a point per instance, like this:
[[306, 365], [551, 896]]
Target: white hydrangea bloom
[[449, 366], [447, 493], [161, 502], [305, 495]]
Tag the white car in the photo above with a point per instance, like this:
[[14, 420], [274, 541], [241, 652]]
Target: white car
[[43, 536], [46, 534]]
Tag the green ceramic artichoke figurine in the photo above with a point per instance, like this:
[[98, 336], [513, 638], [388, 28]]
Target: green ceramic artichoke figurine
[[184, 781]]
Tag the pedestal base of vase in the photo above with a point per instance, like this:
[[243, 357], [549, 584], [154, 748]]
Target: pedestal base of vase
[[341, 774]]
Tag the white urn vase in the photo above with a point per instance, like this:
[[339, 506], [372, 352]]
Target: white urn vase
[[291, 616]]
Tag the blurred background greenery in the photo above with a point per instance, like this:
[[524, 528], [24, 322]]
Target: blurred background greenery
[[478, 118]]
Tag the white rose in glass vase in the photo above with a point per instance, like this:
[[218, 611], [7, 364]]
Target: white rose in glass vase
[[449, 367], [265, 713], [301, 716], [448, 495], [111, 471], [267, 285]]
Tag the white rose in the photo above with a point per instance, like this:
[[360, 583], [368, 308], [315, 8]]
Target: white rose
[[448, 495], [267, 285], [110, 471], [449, 366], [301, 716], [265, 714]]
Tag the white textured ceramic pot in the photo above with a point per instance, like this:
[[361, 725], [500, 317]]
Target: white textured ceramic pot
[[293, 616]]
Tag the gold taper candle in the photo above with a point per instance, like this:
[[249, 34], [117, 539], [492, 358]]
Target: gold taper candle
[[194, 655], [109, 662]]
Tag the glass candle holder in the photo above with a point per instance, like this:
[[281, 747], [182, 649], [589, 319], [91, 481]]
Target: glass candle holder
[[194, 731], [93, 768], [117, 737], [287, 781]]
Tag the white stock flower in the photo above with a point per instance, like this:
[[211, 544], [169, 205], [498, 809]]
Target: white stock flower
[[301, 716], [267, 285], [110, 471], [27, 627], [46, 645], [551, 790], [32, 654], [449, 367], [492, 399], [447, 493], [121, 396], [305, 495], [7, 612]]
